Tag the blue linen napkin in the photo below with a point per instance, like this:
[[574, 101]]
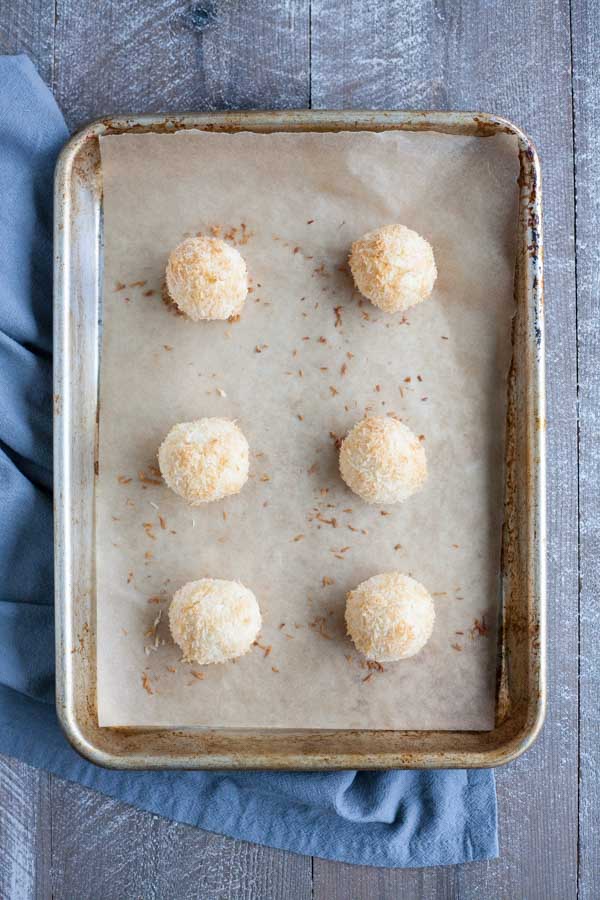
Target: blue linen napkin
[[398, 818]]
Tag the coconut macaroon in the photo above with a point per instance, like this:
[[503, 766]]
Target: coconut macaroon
[[382, 461], [204, 460], [389, 617], [213, 620], [393, 267], [207, 278]]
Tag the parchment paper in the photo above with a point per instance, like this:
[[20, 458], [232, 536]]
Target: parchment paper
[[306, 360]]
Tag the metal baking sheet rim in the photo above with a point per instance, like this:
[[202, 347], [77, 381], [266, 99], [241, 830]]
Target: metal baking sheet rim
[[521, 683]]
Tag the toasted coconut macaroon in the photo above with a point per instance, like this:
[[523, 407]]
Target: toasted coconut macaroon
[[204, 460], [393, 267], [213, 620], [207, 278], [382, 461], [389, 617]]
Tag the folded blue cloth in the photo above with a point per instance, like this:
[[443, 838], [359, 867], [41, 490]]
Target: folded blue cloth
[[386, 819]]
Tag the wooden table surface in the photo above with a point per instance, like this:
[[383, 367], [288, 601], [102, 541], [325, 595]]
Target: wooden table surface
[[535, 62]]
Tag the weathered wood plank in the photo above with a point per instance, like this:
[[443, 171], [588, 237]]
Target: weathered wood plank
[[226, 868], [333, 880], [173, 56], [513, 59], [586, 58], [105, 849], [100, 848], [28, 27], [375, 55], [25, 842]]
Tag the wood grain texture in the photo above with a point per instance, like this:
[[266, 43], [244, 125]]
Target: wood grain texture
[[27, 26], [513, 59], [176, 55], [339, 880], [509, 58], [586, 27], [375, 55], [25, 843], [105, 849]]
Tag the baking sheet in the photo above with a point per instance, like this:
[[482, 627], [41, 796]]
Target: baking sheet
[[293, 204]]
